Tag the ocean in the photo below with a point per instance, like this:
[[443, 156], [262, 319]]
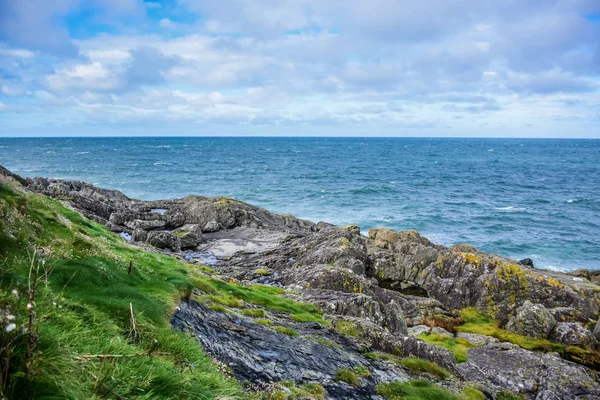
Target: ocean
[[514, 197]]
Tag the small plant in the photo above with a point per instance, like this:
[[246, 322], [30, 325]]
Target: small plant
[[324, 342], [347, 328], [285, 330], [471, 393], [415, 389], [254, 312], [457, 346], [362, 371], [217, 308], [348, 376], [262, 272], [506, 395], [265, 322], [418, 365]]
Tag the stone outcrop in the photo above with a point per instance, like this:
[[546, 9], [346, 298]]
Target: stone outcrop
[[535, 375], [385, 286], [532, 320]]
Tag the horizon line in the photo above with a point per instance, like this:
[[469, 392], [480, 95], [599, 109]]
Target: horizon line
[[295, 136]]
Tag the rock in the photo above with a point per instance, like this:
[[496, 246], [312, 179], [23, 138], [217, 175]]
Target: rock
[[418, 329], [537, 375], [190, 235], [567, 314], [164, 240], [476, 340], [146, 225], [441, 331], [212, 226], [261, 355], [572, 333], [597, 331], [139, 235], [532, 320], [527, 262]]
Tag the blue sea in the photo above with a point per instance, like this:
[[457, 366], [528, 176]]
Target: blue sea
[[514, 197]]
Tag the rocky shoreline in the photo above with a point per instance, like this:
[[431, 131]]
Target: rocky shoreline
[[384, 298]]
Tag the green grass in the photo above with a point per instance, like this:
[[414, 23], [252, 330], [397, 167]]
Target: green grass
[[254, 312], [418, 365], [285, 330], [324, 342], [347, 328], [458, 346], [309, 391], [348, 376], [471, 393], [362, 371], [481, 324], [506, 395], [418, 389], [263, 321], [415, 365], [264, 296], [82, 308]]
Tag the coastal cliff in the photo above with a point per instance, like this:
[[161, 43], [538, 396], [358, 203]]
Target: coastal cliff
[[288, 307]]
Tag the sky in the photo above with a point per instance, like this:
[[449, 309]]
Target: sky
[[489, 68]]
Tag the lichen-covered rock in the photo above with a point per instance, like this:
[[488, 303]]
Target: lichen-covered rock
[[190, 235], [572, 333], [532, 320], [441, 331], [567, 314], [261, 355], [536, 375], [476, 340], [597, 331], [418, 329]]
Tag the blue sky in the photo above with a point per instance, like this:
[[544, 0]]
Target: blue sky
[[514, 68]]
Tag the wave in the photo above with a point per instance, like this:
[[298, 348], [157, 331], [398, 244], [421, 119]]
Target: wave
[[83, 152], [511, 209]]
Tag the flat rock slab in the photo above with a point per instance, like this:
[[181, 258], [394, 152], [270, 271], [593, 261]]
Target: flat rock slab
[[226, 243], [536, 375], [259, 354]]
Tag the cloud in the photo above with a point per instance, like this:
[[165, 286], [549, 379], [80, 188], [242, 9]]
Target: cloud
[[342, 64]]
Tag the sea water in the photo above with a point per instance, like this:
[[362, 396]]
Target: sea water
[[514, 197]]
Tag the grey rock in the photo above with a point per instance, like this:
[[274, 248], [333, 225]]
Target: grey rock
[[441, 331], [139, 235], [527, 262], [597, 330], [164, 240], [532, 320], [572, 333], [212, 226], [190, 235], [536, 375], [262, 355], [418, 329], [476, 340]]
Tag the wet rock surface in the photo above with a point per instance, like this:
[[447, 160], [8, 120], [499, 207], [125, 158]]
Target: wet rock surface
[[385, 287]]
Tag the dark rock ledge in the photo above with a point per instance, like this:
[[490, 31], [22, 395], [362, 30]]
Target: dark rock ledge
[[386, 287]]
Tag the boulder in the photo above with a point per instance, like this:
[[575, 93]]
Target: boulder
[[441, 331], [190, 235], [164, 240], [532, 320], [418, 329], [527, 262], [537, 375], [572, 333], [212, 226]]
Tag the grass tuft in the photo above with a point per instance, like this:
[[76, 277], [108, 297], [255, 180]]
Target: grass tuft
[[348, 376], [418, 389]]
